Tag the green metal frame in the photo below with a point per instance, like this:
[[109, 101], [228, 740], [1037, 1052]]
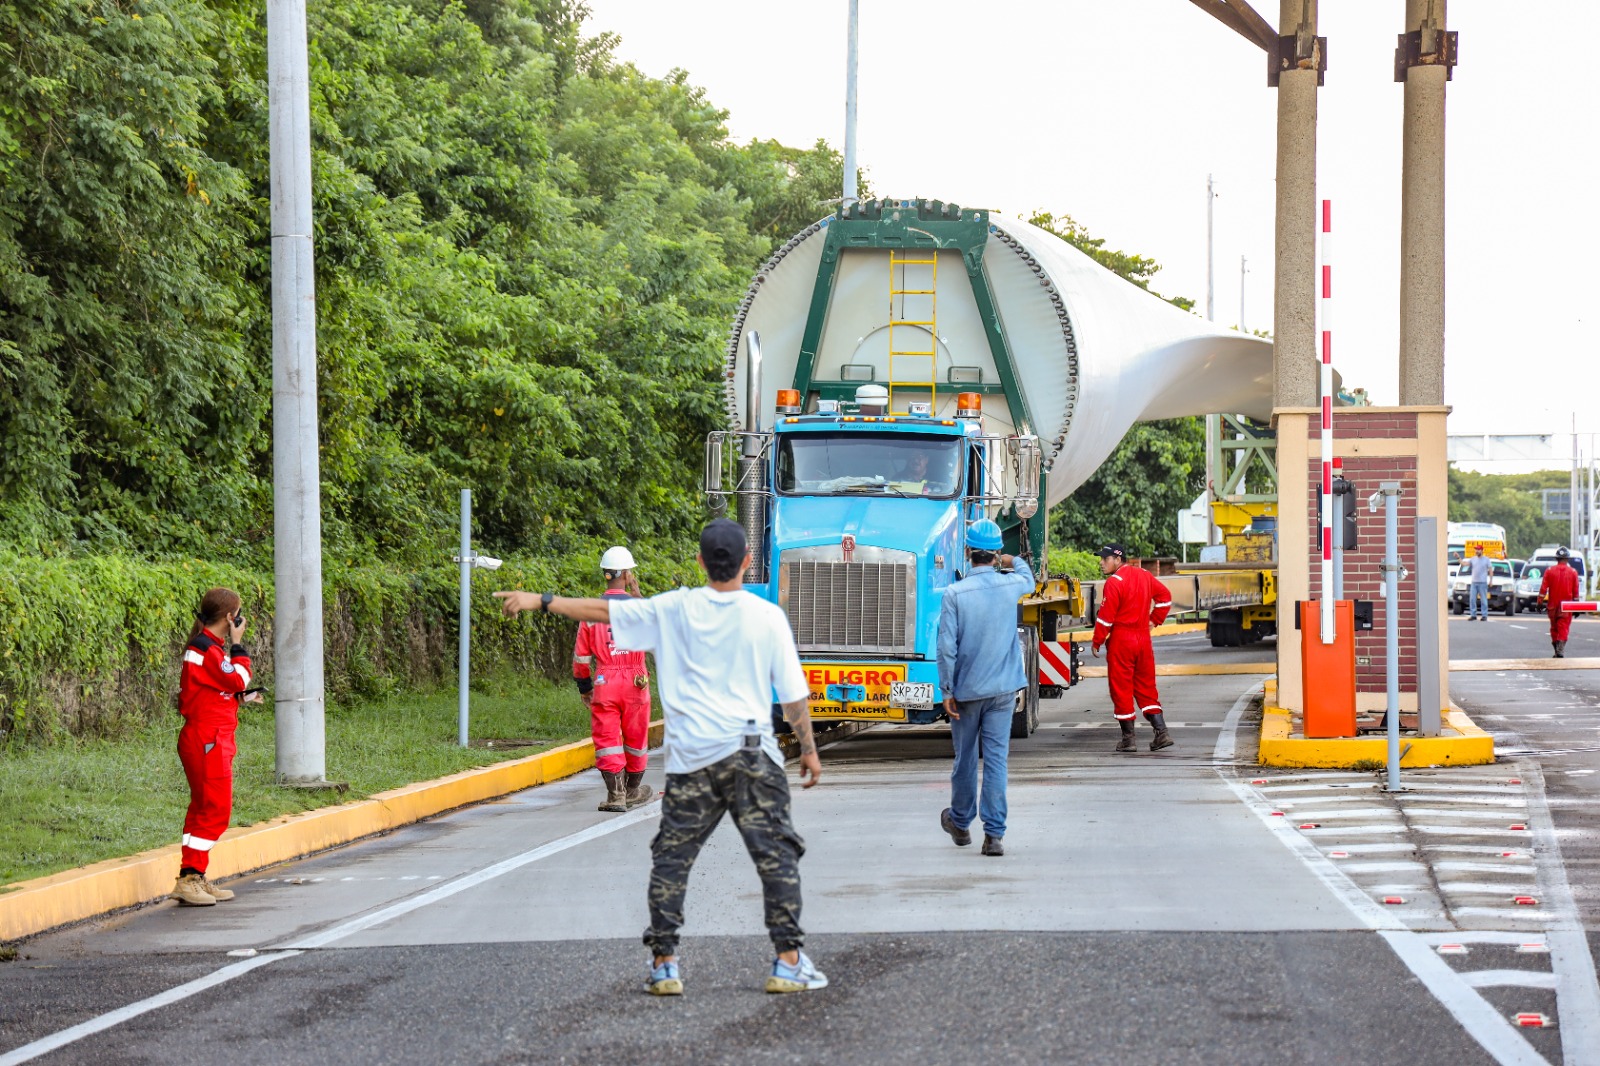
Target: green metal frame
[[929, 225], [1238, 447]]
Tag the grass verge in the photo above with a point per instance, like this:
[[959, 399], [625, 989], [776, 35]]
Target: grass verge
[[79, 802]]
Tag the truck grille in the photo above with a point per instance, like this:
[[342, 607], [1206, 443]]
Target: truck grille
[[850, 607]]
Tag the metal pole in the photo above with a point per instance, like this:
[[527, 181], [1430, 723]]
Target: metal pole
[[1242, 327], [465, 652], [1211, 258], [1338, 534], [296, 493], [1430, 694], [852, 60], [1391, 623]]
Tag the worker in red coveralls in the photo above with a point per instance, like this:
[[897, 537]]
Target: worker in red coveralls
[[215, 677], [615, 686], [1559, 585], [1131, 601]]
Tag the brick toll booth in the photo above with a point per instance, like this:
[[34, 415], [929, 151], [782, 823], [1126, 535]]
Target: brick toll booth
[[1376, 444]]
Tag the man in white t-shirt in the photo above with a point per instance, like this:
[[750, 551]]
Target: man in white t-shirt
[[723, 657]]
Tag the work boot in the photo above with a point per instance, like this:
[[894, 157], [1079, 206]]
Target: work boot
[[1163, 739], [1555, 648], [190, 891], [947, 822], [1561, 649], [616, 792], [218, 894], [992, 846], [638, 793], [1127, 743]]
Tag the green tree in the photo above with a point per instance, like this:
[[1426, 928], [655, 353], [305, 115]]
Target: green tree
[[1134, 498], [1513, 501]]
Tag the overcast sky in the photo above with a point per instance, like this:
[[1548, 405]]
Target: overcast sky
[[1114, 112]]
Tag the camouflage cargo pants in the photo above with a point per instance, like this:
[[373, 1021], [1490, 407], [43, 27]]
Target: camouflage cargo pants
[[754, 789]]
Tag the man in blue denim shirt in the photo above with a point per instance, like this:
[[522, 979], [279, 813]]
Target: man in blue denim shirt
[[980, 671]]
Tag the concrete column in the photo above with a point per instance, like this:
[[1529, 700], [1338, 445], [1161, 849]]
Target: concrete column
[[1294, 367], [1422, 221]]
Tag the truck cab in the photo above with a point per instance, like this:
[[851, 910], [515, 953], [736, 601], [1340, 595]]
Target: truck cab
[[861, 519]]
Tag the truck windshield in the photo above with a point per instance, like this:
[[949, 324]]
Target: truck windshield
[[855, 464]]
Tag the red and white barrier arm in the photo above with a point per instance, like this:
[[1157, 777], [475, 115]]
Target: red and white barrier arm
[[1580, 606], [1326, 288]]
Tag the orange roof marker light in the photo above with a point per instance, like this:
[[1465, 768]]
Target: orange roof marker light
[[788, 401], [969, 405]]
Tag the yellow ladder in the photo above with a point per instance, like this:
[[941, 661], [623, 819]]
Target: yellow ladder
[[909, 319]]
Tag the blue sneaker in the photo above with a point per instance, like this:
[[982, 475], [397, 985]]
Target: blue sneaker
[[664, 980], [802, 978]]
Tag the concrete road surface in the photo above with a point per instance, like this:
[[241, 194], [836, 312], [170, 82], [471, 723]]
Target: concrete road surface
[[1155, 908]]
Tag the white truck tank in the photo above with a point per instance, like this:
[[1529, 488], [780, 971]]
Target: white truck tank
[[1090, 353]]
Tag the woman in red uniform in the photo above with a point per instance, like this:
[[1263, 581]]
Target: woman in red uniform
[[215, 677]]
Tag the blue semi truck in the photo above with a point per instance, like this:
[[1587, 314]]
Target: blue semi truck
[[905, 367]]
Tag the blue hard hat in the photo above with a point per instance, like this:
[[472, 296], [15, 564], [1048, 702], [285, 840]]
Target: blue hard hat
[[984, 536]]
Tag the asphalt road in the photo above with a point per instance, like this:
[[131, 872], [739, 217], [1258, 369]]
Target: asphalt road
[[1158, 908]]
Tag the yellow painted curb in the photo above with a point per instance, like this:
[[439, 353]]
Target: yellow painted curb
[[1193, 669], [30, 907], [1083, 636], [1469, 665], [1464, 744]]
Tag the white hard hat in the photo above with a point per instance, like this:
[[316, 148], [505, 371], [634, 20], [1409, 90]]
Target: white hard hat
[[618, 558]]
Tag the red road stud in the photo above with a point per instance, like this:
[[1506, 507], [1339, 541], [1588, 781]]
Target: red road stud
[[1533, 947], [1531, 1020], [1511, 854], [1519, 826], [1394, 899], [1338, 854], [1277, 814], [1452, 949], [1258, 781], [1310, 825], [1524, 901], [1515, 781]]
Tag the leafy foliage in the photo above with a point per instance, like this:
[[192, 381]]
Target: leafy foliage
[[1133, 499], [527, 256], [1513, 501]]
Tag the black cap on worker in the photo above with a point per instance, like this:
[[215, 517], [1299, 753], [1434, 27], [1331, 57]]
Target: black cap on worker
[[1112, 549], [1562, 553], [722, 544]]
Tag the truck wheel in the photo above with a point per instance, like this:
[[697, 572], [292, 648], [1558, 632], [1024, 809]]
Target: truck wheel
[[1457, 607], [1025, 718], [1511, 606]]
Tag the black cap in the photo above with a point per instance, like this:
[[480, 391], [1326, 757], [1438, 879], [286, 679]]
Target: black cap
[[1112, 549], [722, 544], [1562, 553]]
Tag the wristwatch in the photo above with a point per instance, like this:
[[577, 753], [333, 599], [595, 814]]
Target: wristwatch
[[544, 601]]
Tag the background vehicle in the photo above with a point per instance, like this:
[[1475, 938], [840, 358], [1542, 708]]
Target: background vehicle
[[1502, 588], [1461, 538], [1528, 586], [989, 353]]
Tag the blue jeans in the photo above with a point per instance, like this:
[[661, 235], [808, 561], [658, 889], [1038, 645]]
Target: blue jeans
[[987, 723], [1478, 599]]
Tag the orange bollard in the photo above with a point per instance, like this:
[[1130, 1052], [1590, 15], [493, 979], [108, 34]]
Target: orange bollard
[[1328, 671]]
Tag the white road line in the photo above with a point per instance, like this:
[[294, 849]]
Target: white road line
[[1351, 868], [45, 1045], [1477, 1017], [1510, 979], [1507, 867], [1484, 888], [1578, 995], [474, 879], [105, 1021]]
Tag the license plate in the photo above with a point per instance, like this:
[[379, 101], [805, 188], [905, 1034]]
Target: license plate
[[917, 694]]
